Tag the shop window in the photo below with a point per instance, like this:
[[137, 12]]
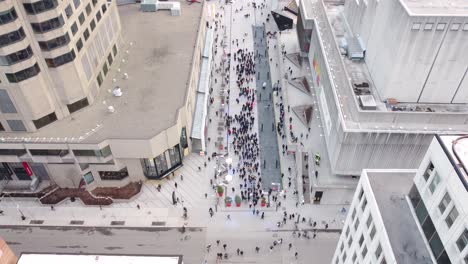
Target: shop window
[[49, 152], [114, 175], [88, 177]]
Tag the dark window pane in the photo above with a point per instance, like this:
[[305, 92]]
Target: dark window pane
[[74, 28], [24, 74], [81, 18], [12, 37], [8, 16], [54, 43], [428, 228], [78, 105], [44, 121], [48, 25]]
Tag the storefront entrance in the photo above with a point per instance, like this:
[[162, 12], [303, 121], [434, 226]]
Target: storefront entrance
[[160, 166]]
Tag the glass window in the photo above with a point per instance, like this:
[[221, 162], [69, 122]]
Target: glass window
[[428, 228], [416, 26], [369, 221], [16, 125], [80, 104], [378, 251], [361, 193], [356, 224], [444, 203], [48, 25], [54, 43], [23, 74], [81, 18], [110, 59], [6, 105], [8, 16], [428, 26], [361, 240], [440, 26], [451, 217], [350, 241], [364, 204], [40, 6], [99, 79], [364, 251], [68, 11], [421, 212], [347, 231], [12, 37], [354, 257], [74, 28], [95, 2], [79, 45], [354, 213], [465, 27], [434, 183], [114, 175], [105, 69], [92, 25], [61, 60], [98, 16], [114, 50], [106, 151], [462, 240], [372, 232], [455, 26], [49, 152], [428, 171], [341, 247], [76, 3], [88, 177], [12, 152], [88, 9], [436, 245], [44, 121], [104, 8], [86, 34], [16, 57]]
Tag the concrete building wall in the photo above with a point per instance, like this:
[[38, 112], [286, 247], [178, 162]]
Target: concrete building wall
[[448, 182], [411, 58], [351, 151]]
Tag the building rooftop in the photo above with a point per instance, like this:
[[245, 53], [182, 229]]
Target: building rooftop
[[30, 258], [436, 7], [406, 240], [159, 60], [456, 147], [343, 72]]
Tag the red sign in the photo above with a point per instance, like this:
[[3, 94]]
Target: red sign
[[27, 168]]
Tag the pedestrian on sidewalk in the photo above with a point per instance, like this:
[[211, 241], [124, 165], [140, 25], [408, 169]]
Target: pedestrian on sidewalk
[[228, 217], [182, 177], [238, 252], [138, 206], [263, 215], [217, 242], [208, 248], [295, 255], [52, 208], [224, 246], [257, 249], [175, 184], [290, 246], [206, 196]]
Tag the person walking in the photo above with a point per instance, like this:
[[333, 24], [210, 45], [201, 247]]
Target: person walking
[[290, 246], [257, 249], [263, 215], [224, 246], [295, 255]]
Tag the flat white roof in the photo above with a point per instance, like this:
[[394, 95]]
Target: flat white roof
[[459, 144], [96, 259], [436, 7]]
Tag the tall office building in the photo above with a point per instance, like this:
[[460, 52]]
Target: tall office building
[[367, 63], [411, 216], [87, 100], [45, 73]]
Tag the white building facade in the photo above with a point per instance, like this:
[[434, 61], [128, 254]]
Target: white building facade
[[409, 216]]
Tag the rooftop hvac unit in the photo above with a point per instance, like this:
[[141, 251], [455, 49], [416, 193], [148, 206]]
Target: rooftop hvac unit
[[148, 6]]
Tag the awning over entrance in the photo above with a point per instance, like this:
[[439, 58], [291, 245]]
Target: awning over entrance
[[201, 107]]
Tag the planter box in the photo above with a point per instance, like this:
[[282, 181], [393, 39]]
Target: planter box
[[228, 204], [262, 204], [238, 204], [220, 194]]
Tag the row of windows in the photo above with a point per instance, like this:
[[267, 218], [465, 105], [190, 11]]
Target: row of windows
[[23, 74], [440, 26], [40, 6], [48, 25], [61, 60], [54, 43], [104, 152], [77, 105], [45, 120], [105, 69], [8, 16], [12, 37], [16, 57], [114, 175]]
